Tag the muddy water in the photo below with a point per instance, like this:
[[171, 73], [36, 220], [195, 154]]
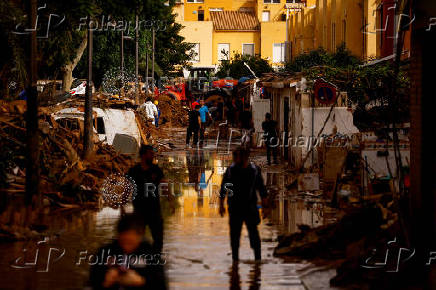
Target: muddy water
[[196, 240]]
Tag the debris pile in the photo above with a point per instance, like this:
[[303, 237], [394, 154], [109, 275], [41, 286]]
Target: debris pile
[[149, 133], [172, 111], [351, 241], [66, 178]]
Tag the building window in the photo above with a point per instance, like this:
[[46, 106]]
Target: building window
[[215, 9], [223, 51], [279, 52], [295, 1], [195, 52], [265, 16], [200, 15], [194, 1], [248, 49], [271, 1]]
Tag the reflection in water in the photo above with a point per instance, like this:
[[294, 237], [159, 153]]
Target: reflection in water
[[254, 279]]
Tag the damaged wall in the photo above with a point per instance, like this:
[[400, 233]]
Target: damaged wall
[[340, 121]]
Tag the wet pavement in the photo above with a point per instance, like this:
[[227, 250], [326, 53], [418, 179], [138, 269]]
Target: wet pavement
[[196, 242]]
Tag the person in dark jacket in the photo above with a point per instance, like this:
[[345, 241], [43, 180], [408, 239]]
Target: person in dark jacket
[[240, 183], [146, 203], [128, 262], [269, 128], [194, 126]]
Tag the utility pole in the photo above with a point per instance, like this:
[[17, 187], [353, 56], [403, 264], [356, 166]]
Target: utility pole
[[152, 60], [136, 59], [146, 67], [32, 133], [122, 55], [87, 138]]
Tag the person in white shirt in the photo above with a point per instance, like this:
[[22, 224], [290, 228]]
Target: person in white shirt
[[150, 110]]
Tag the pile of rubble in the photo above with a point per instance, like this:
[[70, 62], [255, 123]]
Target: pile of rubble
[[172, 112], [66, 178], [349, 243], [150, 134]]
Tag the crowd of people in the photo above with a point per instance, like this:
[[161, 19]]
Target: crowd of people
[[238, 115]]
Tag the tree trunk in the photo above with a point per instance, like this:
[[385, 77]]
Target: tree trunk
[[67, 70], [88, 133]]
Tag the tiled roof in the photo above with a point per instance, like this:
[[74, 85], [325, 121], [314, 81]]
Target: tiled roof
[[234, 20]]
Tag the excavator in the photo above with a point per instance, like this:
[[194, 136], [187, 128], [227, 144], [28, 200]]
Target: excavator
[[200, 85]]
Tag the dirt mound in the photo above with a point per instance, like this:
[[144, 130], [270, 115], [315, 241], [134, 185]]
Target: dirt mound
[[173, 111]]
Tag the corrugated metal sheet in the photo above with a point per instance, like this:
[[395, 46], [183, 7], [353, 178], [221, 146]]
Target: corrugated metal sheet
[[234, 21]]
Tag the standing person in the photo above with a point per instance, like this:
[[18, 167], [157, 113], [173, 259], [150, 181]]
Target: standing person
[[146, 203], [239, 108], [156, 118], [269, 128], [194, 126], [247, 127], [140, 267], [204, 113], [220, 110], [194, 104], [230, 112], [240, 183], [150, 110]]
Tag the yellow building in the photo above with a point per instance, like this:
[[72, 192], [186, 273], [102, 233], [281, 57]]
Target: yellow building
[[220, 28], [329, 23]]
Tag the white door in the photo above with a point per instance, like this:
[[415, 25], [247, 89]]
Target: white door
[[223, 51], [259, 108]]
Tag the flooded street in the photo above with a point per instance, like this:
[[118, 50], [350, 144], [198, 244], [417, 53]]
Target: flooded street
[[196, 243]]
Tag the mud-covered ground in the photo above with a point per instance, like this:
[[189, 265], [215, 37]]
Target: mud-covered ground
[[196, 245]]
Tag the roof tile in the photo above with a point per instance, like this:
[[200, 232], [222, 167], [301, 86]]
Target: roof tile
[[234, 20]]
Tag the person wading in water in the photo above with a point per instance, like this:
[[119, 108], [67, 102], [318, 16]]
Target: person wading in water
[[240, 182], [146, 203]]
